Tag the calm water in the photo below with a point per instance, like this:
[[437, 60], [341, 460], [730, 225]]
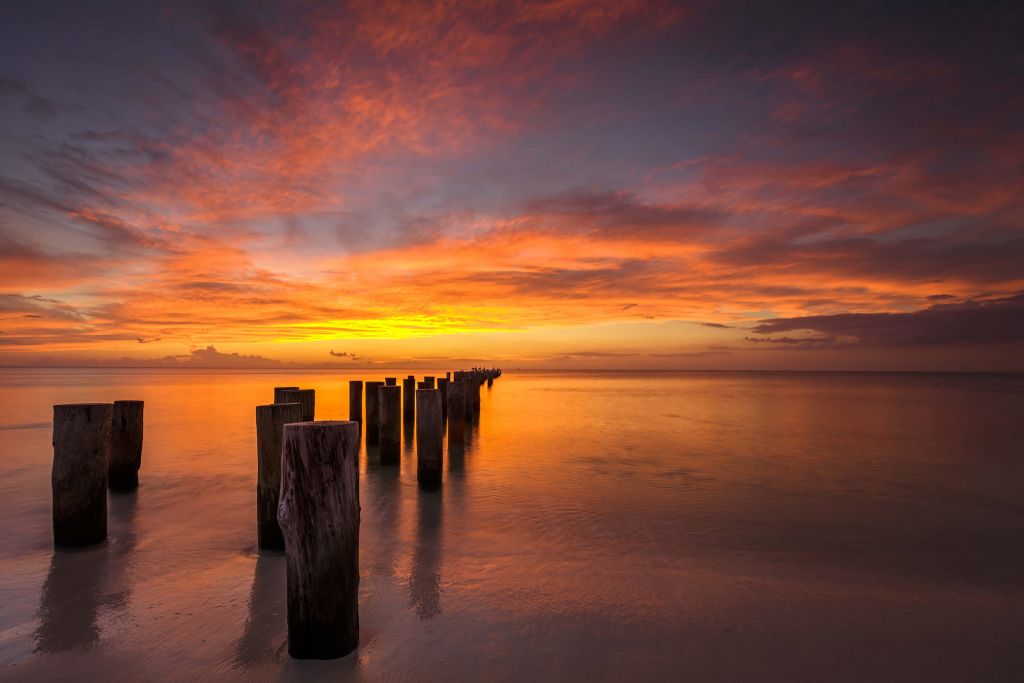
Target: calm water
[[726, 526]]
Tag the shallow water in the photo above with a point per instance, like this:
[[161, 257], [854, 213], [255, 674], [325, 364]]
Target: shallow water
[[600, 526]]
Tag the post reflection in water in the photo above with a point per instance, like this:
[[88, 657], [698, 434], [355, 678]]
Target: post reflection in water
[[425, 573], [266, 621], [81, 583], [380, 495]]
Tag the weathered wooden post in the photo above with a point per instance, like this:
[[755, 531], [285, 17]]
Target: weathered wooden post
[[278, 390], [456, 413], [81, 449], [448, 375], [390, 381], [319, 518], [355, 400], [442, 386], [409, 399], [125, 446], [429, 438], [373, 412], [422, 385], [390, 424], [429, 381], [270, 422], [307, 397], [474, 393]]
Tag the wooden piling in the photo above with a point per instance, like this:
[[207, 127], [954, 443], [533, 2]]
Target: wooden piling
[[409, 399], [319, 518], [390, 381], [423, 385], [270, 422], [372, 412], [81, 450], [442, 386], [278, 390], [307, 397], [429, 381], [429, 438], [456, 413], [355, 400], [125, 446], [390, 424]]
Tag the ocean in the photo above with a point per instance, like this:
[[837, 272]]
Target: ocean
[[618, 526]]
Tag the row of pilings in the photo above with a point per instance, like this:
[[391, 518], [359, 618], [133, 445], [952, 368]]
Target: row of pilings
[[307, 493]]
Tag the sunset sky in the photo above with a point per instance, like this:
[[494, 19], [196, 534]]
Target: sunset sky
[[560, 183]]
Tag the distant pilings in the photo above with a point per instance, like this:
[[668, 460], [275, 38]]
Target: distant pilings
[[429, 438], [125, 446], [390, 402], [456, 413], [429, 381], [355, 400], [279, 390], [373, 411], [307, 397], [442, 386], [390, 381], [270, 422], [409, 399], [319, 518], [81, 450]]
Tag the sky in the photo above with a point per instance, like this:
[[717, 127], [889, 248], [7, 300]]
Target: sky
[[546, 184]]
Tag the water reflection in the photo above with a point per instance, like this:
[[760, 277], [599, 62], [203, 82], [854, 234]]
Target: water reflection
[[381, 515], [266, 620], [425, 574], [80, 583]]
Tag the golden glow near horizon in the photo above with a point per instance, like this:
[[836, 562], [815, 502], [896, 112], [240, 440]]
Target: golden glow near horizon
[[393, 183]]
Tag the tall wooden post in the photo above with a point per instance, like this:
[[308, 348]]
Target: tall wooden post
[[81, 449], [456, 413], [319, 518], [125, 446], [278, 390], [429, 438], [355, 400], [372, 412], [409, 399], [270, 422], [307, 397], [442, 386], [390, 381], [390, 424]]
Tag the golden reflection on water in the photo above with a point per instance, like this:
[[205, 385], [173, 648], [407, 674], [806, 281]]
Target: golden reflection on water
[[640, 524]]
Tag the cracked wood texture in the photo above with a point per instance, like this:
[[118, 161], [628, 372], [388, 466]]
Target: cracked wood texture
[[390, 401], [270, 422], [125, 446], [81, 451], [307, 397], [429, 438], [319, 517]]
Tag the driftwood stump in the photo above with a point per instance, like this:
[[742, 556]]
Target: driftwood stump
[[429, 438], [125, 446], [307, 397], [355, 400], [456, 413], [270, 422], [81, 450], [278, 390], [390, 425], [319, 517], [373, 412]]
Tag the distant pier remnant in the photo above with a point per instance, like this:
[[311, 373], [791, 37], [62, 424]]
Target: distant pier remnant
[[270, 422], [456, 413], [81, 450], [372, 412], [409, 398], [307, 397], [355, 400], [319, 517], [429, 381], [390, 381], [429, 438], [390, 424], [125, 446], [278, 390]]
